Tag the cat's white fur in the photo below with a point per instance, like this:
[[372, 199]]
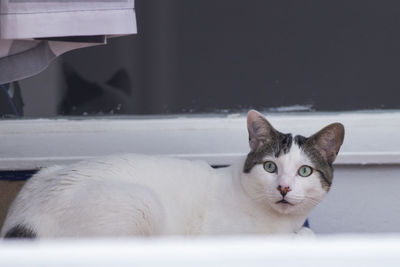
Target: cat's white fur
[[131, 194]]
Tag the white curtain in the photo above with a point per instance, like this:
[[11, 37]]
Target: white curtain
[[33, 32]]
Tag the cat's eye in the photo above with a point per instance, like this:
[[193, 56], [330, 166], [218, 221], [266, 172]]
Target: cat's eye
[[269, 166], [305, 171]]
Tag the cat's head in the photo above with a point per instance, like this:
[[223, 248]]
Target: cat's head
[[289, 173]]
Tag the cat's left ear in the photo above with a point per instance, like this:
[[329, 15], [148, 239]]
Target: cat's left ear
[[328, 141]]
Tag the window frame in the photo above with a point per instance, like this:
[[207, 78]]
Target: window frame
[[371, 137]]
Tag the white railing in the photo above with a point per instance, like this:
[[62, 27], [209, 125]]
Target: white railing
[[335, 251]]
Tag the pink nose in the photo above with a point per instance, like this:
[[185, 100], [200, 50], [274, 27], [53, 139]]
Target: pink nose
[[284, 190]]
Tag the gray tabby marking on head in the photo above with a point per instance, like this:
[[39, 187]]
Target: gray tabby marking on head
[[264, 140], [321, 148]]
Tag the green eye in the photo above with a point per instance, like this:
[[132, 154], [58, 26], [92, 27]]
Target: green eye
[[269, 166], [305, 171]]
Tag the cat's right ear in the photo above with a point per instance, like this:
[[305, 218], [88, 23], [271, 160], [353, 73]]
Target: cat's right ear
[[260, 130]]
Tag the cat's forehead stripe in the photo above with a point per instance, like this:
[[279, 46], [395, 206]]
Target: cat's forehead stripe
[[284, 145]]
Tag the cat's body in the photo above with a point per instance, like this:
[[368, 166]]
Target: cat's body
[[130, 195], [177, 197]]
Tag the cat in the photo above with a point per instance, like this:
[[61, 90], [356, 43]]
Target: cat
[[271, 191], [84, 97]]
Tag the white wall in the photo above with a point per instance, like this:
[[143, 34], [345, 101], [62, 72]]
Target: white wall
[[363, 199]]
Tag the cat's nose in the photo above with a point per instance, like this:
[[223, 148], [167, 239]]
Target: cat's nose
[[284, 190]]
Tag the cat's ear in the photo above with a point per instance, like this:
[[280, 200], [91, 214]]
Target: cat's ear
[[328, 141], [120, 80], [260, 130]]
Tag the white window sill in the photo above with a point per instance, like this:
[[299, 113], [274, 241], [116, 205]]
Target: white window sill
[[350, 250], [371, 137]]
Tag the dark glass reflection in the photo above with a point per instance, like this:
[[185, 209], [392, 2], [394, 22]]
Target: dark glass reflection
[[230, 55]]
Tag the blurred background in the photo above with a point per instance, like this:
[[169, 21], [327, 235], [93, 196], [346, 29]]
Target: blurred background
[[228, 56]]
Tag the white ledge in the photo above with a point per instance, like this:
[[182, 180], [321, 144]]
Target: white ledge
[[371, 137], [330, 251]]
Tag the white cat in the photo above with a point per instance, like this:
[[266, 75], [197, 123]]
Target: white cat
[[272, 190]]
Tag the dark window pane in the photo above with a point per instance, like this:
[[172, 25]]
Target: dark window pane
[[231, 55]]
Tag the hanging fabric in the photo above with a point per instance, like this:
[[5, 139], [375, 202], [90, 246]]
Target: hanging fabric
[[34, 32]]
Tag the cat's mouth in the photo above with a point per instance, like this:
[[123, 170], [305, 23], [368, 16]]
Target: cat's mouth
[[284, 201]]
